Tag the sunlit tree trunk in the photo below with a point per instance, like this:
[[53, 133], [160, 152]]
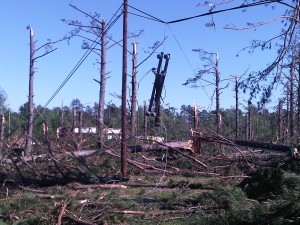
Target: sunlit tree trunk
[[2, 125], [30, 96], [133, 116], [102, 85], [218, 114], [237, 107]]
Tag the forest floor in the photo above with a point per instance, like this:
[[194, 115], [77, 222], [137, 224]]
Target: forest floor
[[266, 195], [141, 200]]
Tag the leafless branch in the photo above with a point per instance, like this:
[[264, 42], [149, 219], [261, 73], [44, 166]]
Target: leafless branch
[[46, 53], [262, 23]]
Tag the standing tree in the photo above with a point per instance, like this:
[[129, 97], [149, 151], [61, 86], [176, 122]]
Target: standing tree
[[263, 82], [3, 97], [48, 49], [102, 84], [133, 115], [211, 66], [237, 118], [90, 34]]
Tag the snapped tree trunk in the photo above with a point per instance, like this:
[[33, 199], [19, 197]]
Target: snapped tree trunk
[[30, 96], [133, 117], [2, 124], [102, 85]]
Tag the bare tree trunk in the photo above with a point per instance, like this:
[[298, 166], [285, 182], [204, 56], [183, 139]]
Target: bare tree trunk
[[124, 86], [145, 120], [236, 107], [298, 101], [133, 95], [2, 125], [249, 121], [9, 127], [80, 130], [62, 115], [279, 121], [74, 122], [287, 116], [102, 85], [30, 96], [218, 115], [196, 116], [291, 125]]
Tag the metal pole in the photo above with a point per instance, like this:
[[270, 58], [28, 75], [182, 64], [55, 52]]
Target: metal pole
[[124, 84]]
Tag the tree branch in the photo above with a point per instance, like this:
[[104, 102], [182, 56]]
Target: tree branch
[[262, 23]]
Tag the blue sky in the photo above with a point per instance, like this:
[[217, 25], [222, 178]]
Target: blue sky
[[45, 19]]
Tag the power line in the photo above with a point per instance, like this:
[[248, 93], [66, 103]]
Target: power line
[[82, 59], [186, 58], [243, 6], [225, 10], [149, 16], [115, 18], [112, 21]]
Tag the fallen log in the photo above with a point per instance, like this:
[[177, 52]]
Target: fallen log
[[175, 146], [194, 145], [263, 145], [191, 210], [185, 145], [99, 186], [240, 143]]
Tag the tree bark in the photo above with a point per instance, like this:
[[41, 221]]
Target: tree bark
[[30, 96], [2, 124], [102, 85], [237, 107], [133, 119], [279, 121], [249, 122], [145, 120], [218, 115], [159, 147], [291, 125]]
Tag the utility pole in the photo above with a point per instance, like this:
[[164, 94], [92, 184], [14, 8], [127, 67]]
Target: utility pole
[[102, 84], [30, 96], [124, 84], [133, 94]]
